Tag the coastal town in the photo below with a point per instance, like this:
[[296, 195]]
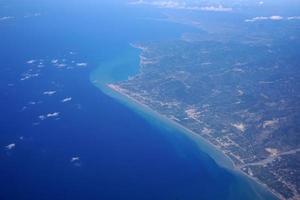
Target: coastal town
[[246, 108]]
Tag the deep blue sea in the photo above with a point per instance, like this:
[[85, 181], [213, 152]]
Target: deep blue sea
[[71, 141]]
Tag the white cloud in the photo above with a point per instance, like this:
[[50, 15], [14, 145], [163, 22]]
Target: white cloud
[[273, 18], [31, 61], [49, 115], [81, 64], [32, 103], [28, 75], [219, 8], [60, 65], [55, 114], [6, 18], [33, 15], [240, 126], [42, 117], [276, 17], [181, 5], [270, 123], [261, 3], [161, 4], [66, 99], [294, 18], [54, 61], [74, 159], [49, 92], [10, 146], [254, 19]]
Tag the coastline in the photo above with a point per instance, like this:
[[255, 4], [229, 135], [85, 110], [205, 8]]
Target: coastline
[[219, 156], [204, 145]]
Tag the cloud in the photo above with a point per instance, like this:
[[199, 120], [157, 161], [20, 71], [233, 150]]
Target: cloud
[[74, 159], [42, 117], [10, 146], [49, 92], [182, 6], [256, 19], [60, 65], [272, 18], [161, 4], [55, 114], [54, 61], [49, 115], [33, 15], [261, 18], [81, 64], [6, 18], [294, 18], [27, 76], [240, 126], [66, 99], [32, 103], [219, 8], [31, 61], [276, 17]]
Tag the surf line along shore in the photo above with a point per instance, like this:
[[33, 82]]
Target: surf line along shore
[[204, 145]]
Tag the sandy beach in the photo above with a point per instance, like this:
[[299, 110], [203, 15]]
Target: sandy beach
[[204, 145]]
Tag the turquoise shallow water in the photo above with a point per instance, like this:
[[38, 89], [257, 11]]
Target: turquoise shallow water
[[238, 187], [120, 67]]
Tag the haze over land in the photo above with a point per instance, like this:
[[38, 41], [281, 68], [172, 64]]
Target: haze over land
[[235, 82]]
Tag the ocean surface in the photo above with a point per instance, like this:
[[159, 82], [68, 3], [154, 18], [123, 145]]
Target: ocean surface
[[71, 140]]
